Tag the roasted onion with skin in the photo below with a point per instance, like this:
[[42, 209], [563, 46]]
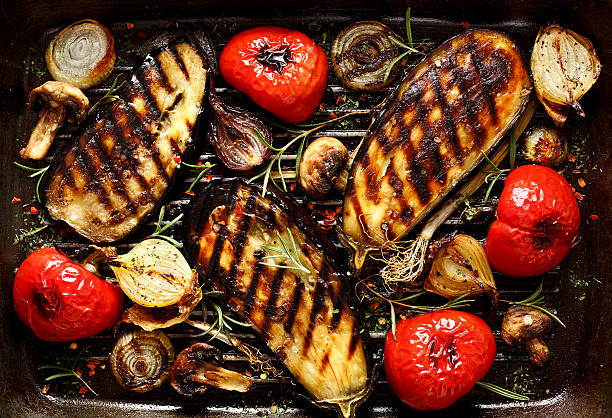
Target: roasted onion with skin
[[83, 54], [361, 54], [564, 66], [141, 360], [234, 135], [197, 367]]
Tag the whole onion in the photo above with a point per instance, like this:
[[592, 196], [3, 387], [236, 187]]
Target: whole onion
[[361, 54]]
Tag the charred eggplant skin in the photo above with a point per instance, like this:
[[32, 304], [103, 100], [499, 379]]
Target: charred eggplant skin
[[114, 164], [310, 321], [456, 104]]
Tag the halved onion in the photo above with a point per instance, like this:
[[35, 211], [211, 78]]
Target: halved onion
[[141, 360], [564, 66], [460, 268], [83, 54], [361, 54], [154, 274]]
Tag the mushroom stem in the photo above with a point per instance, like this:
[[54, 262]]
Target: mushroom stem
[[49, 121], [538, 351]]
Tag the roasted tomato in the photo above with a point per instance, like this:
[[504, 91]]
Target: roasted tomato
[[60, 300], [437, 358], [281, 70], [537, 223]]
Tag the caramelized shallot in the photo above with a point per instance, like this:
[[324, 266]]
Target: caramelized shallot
[[235, 135], [545, 146]]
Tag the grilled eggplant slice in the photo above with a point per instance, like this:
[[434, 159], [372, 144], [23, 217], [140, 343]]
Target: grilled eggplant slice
[[455, 105], [121, 163], [308, 319]]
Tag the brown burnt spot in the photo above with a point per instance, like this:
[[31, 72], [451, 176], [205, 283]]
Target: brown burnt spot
[[249, 299], [295, 304], [448, 124], [238, 241], [318, 304], [355, 339], [178, 58], [271, 311], [324, 362]]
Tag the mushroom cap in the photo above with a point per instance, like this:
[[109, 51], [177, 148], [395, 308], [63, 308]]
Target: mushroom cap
[[321, 164], [523, 323], [59, 94]]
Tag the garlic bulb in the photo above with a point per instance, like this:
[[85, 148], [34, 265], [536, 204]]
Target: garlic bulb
[[154, 274], [141, 360], [459, 268], [564, 66]]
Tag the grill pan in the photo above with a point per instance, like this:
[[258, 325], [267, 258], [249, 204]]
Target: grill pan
[[577, 382]]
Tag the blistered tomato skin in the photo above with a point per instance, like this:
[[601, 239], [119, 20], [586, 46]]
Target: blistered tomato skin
[[281, 70], [61, 301], [538, 222], [437, 358]]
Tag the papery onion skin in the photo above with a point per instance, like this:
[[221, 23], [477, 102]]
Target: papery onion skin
[[564, 66], [460, 267], [233, 135], [361, 54], [141, 360], [197, 367], [154, 274], [545, 146], [83, 61]]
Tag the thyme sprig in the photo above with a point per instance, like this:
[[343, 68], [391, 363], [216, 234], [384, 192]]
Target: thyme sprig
[[502, 391], [409, 49], [302, 136], [109, 97], [221, 324], [66, 372], [36, 172], [160, 228], [536, 301], [284, 252], [200, 169], [25, 233]]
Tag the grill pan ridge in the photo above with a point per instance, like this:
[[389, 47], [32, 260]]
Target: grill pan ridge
[[578, 379]]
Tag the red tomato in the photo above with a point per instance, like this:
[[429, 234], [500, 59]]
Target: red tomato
[[538, 221], [60, 300], [281, 70], [437, 358]]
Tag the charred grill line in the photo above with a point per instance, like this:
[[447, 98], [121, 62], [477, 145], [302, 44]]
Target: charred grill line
[[88, 170], [484, 83], [163, 78], [249, 299], [450, 128], [179, 60], [318, 302], [295, 303], [270, 310], [338, 304], [140, 85]]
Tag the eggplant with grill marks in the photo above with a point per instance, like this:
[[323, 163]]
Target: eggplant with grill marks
[[453, 107], [299, 303], [120, 164]]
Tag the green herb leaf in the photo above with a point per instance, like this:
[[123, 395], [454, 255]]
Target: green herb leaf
[[393, 324], [512, 148], [503, 392], [409, 28], [392, 64], [160, 228], [292, 256]]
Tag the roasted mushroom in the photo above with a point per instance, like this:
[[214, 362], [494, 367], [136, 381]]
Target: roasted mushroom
[[545, 146], [141, 360], [524, 325], [54, 101], [196, 368], [321, 167]]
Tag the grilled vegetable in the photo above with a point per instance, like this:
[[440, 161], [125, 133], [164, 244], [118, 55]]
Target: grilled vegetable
[[545, 145], [454, 105], [118, 167], [276, 271], [83, 54], [524, 325], [322, 165]]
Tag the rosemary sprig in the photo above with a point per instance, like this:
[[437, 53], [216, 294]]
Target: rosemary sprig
[[291, 255], [221, 324], [66, 372], [503, 392], [160, 228], [302, 136], [495, 173], [536, 301], [108, 97], [36, 172], [512, 148], [409, 49], [23, 233], [409, 28], [200, 169]]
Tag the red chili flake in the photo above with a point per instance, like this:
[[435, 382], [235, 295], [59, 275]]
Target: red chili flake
[[170, 23], [238, 212], [594, 217], [370, 284], [33, 210], [92, 372], [465, 24], [209, 177], [333, 116], [177, 159], [78, 372], [321, 107], [338, 209], [45, 389], [309, 205], [581, 182], [576, 171], [91, 366], [142, 34], [328, 222], [199, 164], [129, 25], [375, 305], [83, 390], [248, 373], [103, 366], [571, 158], [579, 196], [189, 192], [15, 200], [573, 189], [292, 186], [339, 100]]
